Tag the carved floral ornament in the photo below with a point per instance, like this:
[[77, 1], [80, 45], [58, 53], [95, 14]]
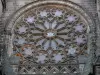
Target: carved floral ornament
[[49, 32]]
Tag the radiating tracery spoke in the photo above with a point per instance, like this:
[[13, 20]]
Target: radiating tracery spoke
[[46, 24], [37, 34], [39, 29], [64, 33], [45, 44], [57, 44], [62, 39], [38, 39], [58, 24], [54, 44], [40, 24], [54, 24], [61, 29]]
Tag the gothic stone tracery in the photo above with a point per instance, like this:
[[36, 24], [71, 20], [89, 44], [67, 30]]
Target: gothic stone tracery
[[49, 38]]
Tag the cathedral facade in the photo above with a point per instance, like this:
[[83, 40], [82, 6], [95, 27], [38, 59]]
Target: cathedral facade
[[49, 37]]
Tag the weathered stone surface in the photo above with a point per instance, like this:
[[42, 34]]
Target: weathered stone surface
[[90, 6]]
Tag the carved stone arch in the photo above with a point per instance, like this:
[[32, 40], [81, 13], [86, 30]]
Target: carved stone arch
[[11, 28]]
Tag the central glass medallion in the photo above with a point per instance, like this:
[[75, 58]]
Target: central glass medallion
[[50, 34]]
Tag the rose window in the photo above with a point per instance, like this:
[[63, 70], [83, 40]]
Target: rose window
[[49, 35]]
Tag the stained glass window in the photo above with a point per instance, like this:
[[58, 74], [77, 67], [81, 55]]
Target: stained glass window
[[48, 39]]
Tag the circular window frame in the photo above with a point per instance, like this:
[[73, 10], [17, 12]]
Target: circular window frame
[[91, 25]]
